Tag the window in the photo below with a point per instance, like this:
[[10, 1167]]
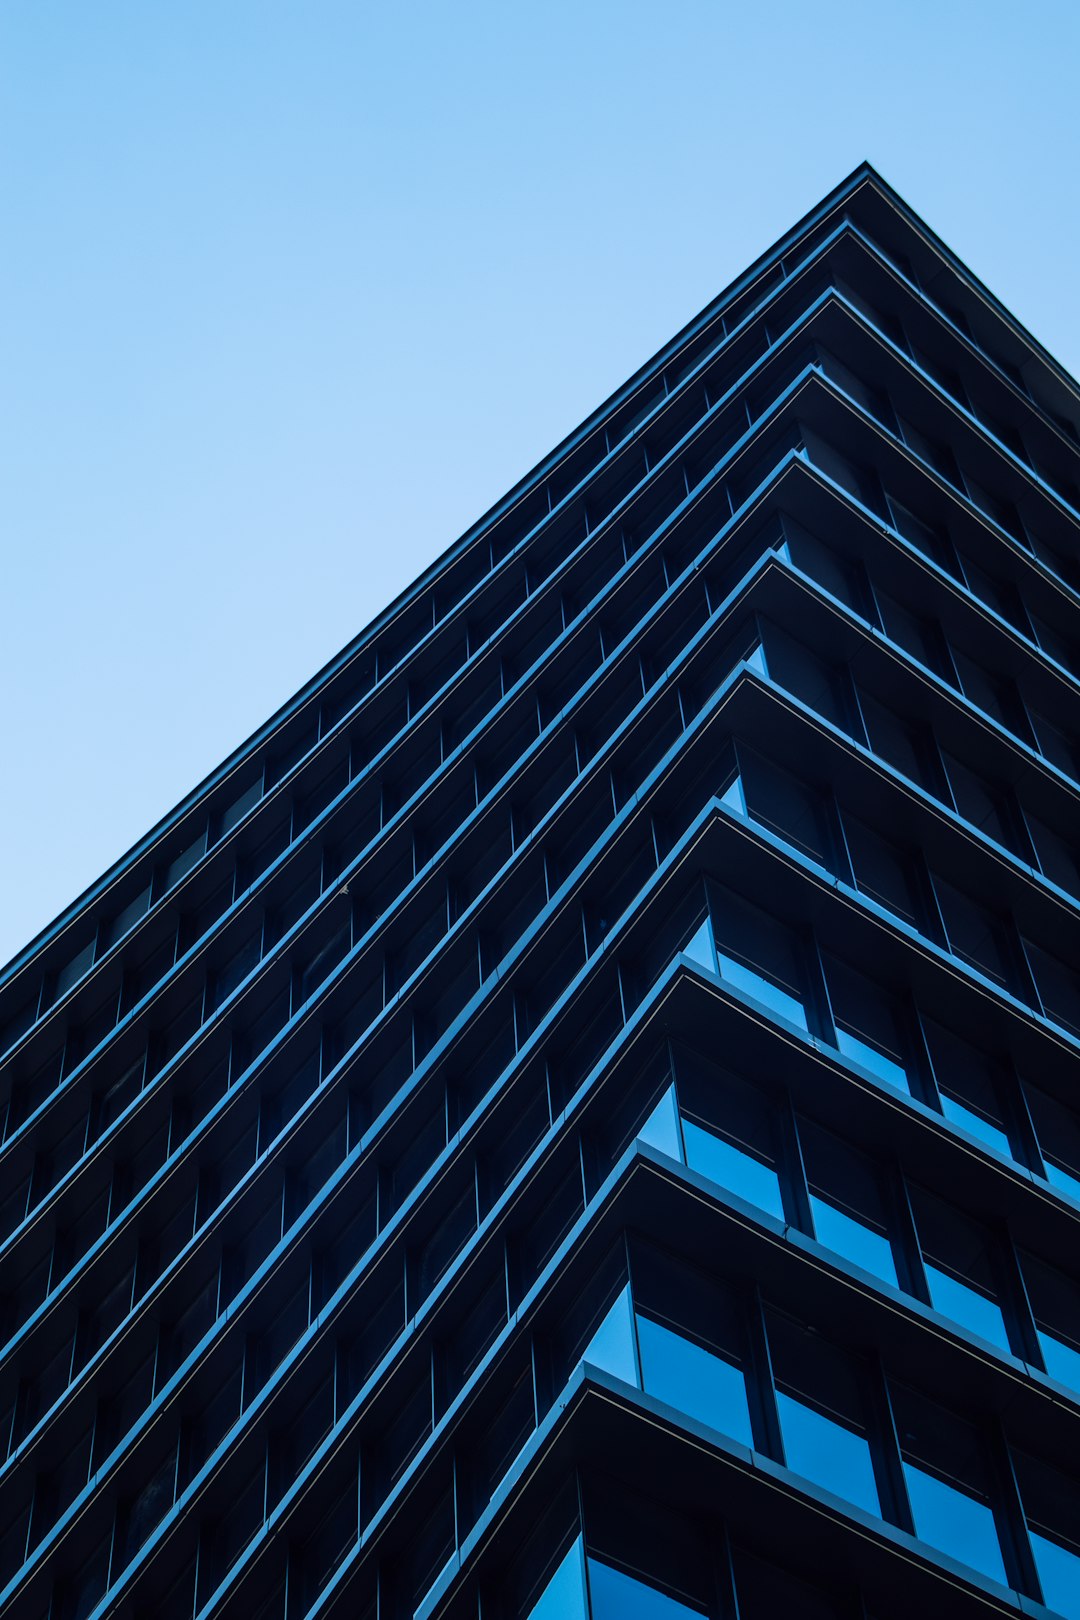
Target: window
[[821, 1413], [1051, 1504], [959, 1267], [947, 1483], [867, 1023], [563, 1598], [758, 955], [975, 935], [691, 1338], [1055, 1305], [883, 871], [697, 1381], [730, 1133], [786, 806], [617, 1596], [1058, 1131], [611, 1347], [967, 1086], [845, 1201], [1057, 986]]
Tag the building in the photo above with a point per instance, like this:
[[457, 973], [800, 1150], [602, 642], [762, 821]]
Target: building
[[584, 1106]]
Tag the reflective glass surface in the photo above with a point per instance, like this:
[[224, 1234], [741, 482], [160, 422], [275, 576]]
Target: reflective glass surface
[[955, 1522], [763, 990], [871, 1058], [966, 1306], [612, 1345], [617, 1596], [1059, 1572], [725, 1164], [563, 1598], [856, 1242], [686, 1375], [828, 1453]]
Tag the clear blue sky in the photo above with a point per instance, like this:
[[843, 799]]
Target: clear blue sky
[[290, 293]]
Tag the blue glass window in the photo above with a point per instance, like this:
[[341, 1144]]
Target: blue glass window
[[826, 1452], [821, 1412], [700, 947], [693, 1379], [1052, 1508], [959, 1269], [611, 1347], [867, 1023], [758, 955], [1058, 1130], [967, 1306], [733, 1168], [855, 1241], [949, 1518], [967, 1086], [1055, 1304], [848, 1212], [729, 1131], [1059, 1574], [661, 1129], [947, 1482], [563, 1598], [617, 1596]]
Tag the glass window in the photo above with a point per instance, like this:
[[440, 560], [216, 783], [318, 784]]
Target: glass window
[[1058, 1131], [975, 935], [883, 870], [837, 573], [917, 636], [847, 1208], [611, 1347], [902, 745], [867, 1022], [959, 1267], [758, 955], [786, 806], [661, 1129], [821, 1413], [986, 806], [1053, 744], [694, 1379], [1052, 1507], [1057, 985], [1055, 1305], [1056, 855], [809, 678], [947, 1483], [967, 1085], [729, 1131], [563, 1598], [700, 947], [617, 1596]]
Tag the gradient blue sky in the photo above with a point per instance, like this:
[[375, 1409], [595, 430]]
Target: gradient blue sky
[[290, 293]]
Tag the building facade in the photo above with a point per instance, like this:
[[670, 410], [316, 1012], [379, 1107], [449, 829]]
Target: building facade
[[580, 1116]]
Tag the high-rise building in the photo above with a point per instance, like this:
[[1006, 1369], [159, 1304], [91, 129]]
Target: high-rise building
[[581, 1113]]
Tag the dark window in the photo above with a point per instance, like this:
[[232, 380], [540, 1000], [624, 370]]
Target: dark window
[[1051, 1503], [846, 1201], [960, 1270], [947, 1482], [758, 955], [868, 1022], [785, 805], [822, 1416], [970, 1091], [730, 1132]]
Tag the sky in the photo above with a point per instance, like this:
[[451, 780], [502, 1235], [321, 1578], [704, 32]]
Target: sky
[[291, 293]]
